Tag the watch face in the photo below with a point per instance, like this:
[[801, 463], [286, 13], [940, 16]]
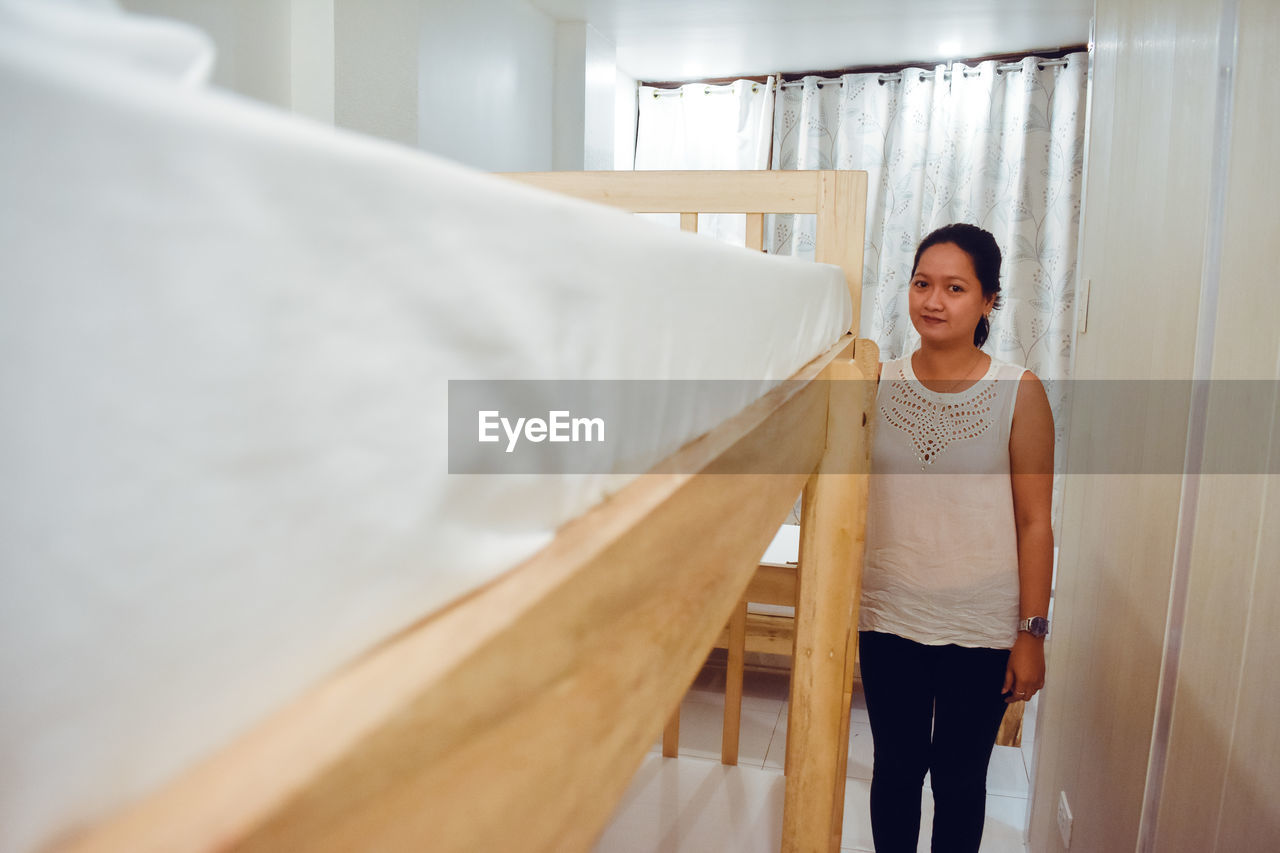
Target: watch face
[[1037, 626]]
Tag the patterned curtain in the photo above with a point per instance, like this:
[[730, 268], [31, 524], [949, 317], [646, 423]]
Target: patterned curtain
[[996, 147]]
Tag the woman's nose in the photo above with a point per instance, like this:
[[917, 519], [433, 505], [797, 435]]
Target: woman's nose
[[931, 299]]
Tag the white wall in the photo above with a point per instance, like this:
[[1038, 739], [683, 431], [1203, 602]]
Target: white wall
[[1156, 700], [599, 91], [252, 38], [1221, 776], [485, 84], [278, 51], [376, 67], [311, 48], [624, 120], [583, 107], [498, 85], [569, 101]]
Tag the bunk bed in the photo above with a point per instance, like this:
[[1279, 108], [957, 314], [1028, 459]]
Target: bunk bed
[[248, 607]]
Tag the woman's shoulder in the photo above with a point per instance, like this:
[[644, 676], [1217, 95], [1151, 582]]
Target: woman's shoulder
[[892, 368], [1002, 369], [1032, 398]]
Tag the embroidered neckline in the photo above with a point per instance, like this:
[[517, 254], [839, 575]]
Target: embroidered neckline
[[935, 420]]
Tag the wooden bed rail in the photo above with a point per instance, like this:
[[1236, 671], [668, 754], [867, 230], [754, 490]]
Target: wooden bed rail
[[516, 718], [837, 197]]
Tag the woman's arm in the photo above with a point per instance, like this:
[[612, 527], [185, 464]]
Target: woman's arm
[[1031, 466]]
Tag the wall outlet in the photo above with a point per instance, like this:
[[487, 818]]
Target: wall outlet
[[1064, 819]]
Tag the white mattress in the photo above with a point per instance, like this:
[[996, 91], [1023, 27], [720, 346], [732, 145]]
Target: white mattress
[[225, 339]]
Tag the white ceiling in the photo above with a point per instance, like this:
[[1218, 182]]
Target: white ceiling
[[690, 39]]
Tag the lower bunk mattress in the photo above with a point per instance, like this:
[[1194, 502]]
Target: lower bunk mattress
[[226, 342]]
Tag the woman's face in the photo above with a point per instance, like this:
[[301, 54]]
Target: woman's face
[[946, 297]]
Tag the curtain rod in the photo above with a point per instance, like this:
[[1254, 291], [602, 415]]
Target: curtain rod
[[894, 77], [708, 88]]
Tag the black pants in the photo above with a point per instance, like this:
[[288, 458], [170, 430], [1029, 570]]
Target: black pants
[[936, 709]]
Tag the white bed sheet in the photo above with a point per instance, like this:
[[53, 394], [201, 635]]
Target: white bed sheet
[[225, 338]]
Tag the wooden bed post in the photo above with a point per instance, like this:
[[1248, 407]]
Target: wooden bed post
[[733, 685], [671, 735], [832, 536], [842, 224], [867, 356]]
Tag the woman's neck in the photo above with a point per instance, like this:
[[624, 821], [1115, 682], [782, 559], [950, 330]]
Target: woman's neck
[[945, 362]]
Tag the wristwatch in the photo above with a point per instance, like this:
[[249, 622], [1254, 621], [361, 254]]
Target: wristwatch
[[1036, 626]]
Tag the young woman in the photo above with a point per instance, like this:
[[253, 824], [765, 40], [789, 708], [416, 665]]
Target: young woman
[[959, 550]]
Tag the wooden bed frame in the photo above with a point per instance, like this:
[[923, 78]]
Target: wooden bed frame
[[515, 718]]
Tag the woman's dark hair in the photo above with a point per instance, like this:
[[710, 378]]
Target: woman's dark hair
[[982, 250]]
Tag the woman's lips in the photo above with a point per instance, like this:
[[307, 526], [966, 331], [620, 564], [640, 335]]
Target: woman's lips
[[931, 319]]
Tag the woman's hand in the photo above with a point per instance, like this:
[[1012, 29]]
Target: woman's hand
[[1025, 673]]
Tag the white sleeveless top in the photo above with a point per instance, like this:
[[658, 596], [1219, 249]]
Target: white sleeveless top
[[942, 548]]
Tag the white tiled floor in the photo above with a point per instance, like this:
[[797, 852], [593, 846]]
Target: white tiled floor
[[693, 804]]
